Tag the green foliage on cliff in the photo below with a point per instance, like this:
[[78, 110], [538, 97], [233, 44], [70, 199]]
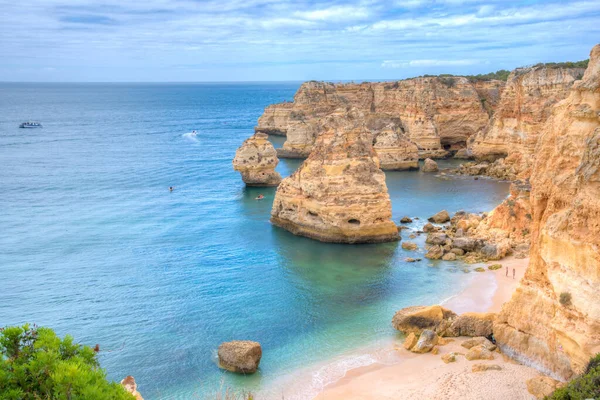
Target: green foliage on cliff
[[586, 386], [567, 64], [501, 75], [35, 364]]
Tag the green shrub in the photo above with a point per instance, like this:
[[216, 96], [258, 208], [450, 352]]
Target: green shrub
[[36, 364], [565, 298], [586, 386]]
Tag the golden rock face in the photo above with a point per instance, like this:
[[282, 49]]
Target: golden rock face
[[339, 193], [433, 115], [256, 160], [525, 105], [560, 336]]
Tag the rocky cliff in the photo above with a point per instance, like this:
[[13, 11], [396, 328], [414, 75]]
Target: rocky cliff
[[339, 193], [437, 114], [525, 105], [553, 319], [256, 160]]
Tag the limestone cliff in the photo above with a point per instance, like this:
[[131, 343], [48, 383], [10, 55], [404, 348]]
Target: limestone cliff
[[256, 160], [437, 114], [553, 319], [524, 107], [339, 193]]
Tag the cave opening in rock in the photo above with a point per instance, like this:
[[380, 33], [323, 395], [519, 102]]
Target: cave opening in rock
[[354, 221]]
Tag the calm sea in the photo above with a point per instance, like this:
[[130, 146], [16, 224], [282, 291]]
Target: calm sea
[[93, 244]]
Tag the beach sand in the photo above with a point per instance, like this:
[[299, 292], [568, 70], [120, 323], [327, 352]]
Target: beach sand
[[426, 376]]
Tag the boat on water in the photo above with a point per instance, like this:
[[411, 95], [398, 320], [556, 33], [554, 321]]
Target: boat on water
[[30, 124]]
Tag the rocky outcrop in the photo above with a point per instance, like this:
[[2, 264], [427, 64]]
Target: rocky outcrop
[[542, 386], [429, 166], [435, 114], [339, 193], [130, 386], [427, 340], [525, 105], [240, 356], [256, 160], [472, 324], [418, 318], [559, 338]]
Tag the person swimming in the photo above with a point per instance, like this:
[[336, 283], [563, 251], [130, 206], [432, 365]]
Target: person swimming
[[194, 133], [259, 197], [171, 188]]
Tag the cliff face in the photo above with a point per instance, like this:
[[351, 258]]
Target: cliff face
[[256, 160], [525, 105], [339, 193], [436, 114], [557, 335]]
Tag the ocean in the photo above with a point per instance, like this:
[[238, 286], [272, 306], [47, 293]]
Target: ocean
[[93, 243]]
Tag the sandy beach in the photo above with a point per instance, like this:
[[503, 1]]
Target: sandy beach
[[427, 376]]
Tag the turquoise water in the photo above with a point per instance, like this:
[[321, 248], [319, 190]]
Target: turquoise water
[[94, 244]]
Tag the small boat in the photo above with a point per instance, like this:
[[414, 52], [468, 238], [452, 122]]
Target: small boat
[[30, 124]]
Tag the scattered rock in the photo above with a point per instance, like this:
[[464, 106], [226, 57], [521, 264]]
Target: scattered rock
[[409, 259], [478, 341], [494, 267], [449, 257], [131, 387], [409, 246], [480, 269], [435, 350], [429, 166], [410, 341], [418, 318], [436, 238], [440, 217], [479, 353], [449, 357], [241, 356], [427, 340], [457, 251], [542, 386], [464, 243], [434, 252], [485, 367], [406, 220], [428, 227], [412, 236]]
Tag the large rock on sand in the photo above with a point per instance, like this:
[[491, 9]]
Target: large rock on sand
[[416, 319], [241, 356], [472, 324], [542, 386], [478, 341], [479, 353], [256, 160], [427, 340]]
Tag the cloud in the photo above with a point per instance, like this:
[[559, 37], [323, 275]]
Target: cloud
[[427, 63], [336, 13]]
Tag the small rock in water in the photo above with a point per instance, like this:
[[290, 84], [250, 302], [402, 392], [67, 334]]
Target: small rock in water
[[409, 246], [440, 217], [406, 220]]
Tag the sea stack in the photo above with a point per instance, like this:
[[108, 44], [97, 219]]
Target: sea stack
[[339, 193], [256, 160], [553, 319]]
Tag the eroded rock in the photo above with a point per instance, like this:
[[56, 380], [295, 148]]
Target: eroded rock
[[240, 356], [256, 160]]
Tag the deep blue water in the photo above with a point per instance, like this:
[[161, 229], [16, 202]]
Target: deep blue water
[[93, 243]]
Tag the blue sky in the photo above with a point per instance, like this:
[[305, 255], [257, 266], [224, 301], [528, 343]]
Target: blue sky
[[260, 40]]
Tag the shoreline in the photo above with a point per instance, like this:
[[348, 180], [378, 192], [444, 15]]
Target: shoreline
[[362, 372], [419, 376]]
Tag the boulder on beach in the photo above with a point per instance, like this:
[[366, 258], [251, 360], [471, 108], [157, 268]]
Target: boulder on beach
[[472, 324], [240, 356], [485, 367], [410, 341], [479, 353], [440, 217], [449, 357], [427, 340], [429, 166], [542, 386], [418, 318], [478, 341]]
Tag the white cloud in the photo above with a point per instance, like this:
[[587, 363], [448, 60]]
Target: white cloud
[[427, 63], [335, 13]]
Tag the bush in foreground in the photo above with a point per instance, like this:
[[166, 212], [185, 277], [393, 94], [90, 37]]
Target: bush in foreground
[[586, 386], [35, 364]]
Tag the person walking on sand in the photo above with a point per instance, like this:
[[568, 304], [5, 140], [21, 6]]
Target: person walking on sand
[[507, 271], [514, 270]]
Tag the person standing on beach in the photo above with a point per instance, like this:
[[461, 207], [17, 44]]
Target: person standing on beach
[[514, 273], [507, 272]]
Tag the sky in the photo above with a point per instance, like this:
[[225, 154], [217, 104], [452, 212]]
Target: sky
[[285, 40]]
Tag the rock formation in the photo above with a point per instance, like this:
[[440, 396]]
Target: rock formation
[[130, 386], [435, 114], [240, 356], [339, 193], [525, 105], [559, 338], [429, 166], [256, 159]]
